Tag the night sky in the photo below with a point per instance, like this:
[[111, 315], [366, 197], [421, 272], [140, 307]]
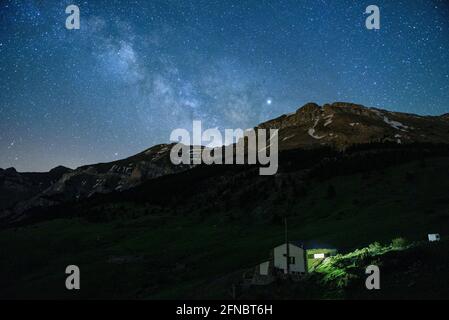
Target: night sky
[[136, 70]]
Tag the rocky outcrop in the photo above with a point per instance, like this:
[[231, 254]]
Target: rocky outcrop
[[343, 124]]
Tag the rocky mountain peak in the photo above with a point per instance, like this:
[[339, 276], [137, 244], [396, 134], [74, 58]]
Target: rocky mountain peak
[[341, 124], [309, 108], [308, 112], [10, 170], [60, 170]]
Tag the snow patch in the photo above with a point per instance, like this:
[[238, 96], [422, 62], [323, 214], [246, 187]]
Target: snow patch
[[311, 131], [394, 124], [99, 182], [328, 119], [398, 136], [289, 137]]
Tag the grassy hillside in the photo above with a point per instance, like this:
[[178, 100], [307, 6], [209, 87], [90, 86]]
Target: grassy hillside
[[417, 270], [146, 251]]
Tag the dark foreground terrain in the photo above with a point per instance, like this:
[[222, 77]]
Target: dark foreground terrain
[[197, 233]]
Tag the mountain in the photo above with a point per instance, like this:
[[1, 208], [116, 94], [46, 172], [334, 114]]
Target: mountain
[[117, 175], [15, 186], [338, 126], [63, 185], [200, 231], [344, 124]]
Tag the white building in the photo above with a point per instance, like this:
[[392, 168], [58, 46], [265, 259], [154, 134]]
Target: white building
[[433, 237], [298, 257], [264, 268]]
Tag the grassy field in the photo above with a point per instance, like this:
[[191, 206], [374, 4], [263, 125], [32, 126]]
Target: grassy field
[[187, 256]]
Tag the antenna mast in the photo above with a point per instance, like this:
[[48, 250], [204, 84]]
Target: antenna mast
[[287, 256]]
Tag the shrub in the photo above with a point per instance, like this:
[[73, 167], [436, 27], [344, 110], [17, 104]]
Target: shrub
[[375, 247], [399, 243]]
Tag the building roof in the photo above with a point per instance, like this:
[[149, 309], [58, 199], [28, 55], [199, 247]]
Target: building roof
[[296, 243]]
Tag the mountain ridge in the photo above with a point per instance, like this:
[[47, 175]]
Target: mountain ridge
[[342, 124], [304, 111], [338, 125]]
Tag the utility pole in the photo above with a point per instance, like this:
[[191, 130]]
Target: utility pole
[[233, 291], [287, 255]]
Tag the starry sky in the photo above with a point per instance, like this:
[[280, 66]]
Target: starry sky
[[136, 70]]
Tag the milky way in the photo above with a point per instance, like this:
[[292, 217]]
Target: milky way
[[136, 70]]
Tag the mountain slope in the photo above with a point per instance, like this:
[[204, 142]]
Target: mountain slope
[[343, 124], [144, 250], [86, 181], [15, 186], [339, 126]]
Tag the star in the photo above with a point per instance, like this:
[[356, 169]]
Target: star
[[137, 70]]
